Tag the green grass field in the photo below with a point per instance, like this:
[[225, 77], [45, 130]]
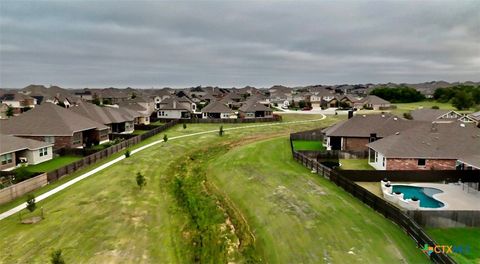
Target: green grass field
[[53, 164], [298, 217], [308, 145], [465, 237], [407, 107], [107, 219]]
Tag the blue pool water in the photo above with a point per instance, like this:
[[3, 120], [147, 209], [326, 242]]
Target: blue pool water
[[424, 194]]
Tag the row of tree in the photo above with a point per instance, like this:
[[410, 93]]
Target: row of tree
[[401, 94], [461, 96]]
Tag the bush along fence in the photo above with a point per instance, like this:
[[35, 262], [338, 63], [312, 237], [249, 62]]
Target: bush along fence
[[391, 212], [97, 156]]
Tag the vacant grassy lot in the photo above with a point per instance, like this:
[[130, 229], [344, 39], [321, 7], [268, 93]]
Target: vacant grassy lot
[[107, 219], [355, 164], [308, 145], [407, 107], [53, 164], [465, 237], [298, 217]]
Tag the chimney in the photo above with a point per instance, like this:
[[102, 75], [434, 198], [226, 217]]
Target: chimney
[[350, 114], [373, 137]]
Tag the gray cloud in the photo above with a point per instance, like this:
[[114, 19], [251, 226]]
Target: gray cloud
[[236, 43]]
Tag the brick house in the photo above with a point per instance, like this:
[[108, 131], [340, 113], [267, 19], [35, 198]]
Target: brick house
[[57, 125], [18, 101], [254, 109], [355, 133], [218, 110], [429, 146], [372, 102]]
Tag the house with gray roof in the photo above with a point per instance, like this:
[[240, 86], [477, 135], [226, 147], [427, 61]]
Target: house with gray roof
[[254, 109], [176, 108], [428, 146], [54, 124], [435, 115], [16, 150], [355, 133], [217, 109], [18, 101], [372, 102]]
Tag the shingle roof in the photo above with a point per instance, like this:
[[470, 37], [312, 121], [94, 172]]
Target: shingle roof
[[363, 125], [253, 106], [48, 120], [14, 97], [216, 107], [428, 114], [172, 103], [475, 116], [438, 140], [11, 144], [373, 99]]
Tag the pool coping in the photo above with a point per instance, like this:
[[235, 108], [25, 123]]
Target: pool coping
[[434, 196]]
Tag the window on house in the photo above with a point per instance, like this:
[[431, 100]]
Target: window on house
[[6, 158], [77, 138], [383, 162], [43, 152], [421, 162]]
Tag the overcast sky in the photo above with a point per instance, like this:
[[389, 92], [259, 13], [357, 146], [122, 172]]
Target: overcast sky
[[236, 43]]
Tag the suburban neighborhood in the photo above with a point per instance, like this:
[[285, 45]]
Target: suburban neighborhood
[[239, 132]]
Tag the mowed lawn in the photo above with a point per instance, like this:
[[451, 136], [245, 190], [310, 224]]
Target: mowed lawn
[[308, 145], [53, 164], [427, 104], [464, 237], [299, 217], [355, 164], [107, 219]]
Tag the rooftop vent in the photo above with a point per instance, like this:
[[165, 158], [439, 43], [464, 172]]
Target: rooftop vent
[[383, 115], [395, 118], [462, 125], [364, 115], [397, 133]]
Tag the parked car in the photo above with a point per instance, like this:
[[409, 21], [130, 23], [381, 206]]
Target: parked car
[[306, 109]]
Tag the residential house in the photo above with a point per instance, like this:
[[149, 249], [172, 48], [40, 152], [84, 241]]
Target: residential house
[[429, 146], [355, 133], [143, 114], [347, 100], [18, 101], [3, 111], [54, 94], [372, 102], [475, 117], [435, 115], [217, 109], [117, 121], [253, 109], [16, 150], [176, 108], [54, 124], [321, 97]]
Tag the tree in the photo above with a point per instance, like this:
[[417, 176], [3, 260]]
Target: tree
[[134, 95], [127, 154], [401, 94], [220, 132], [9, 111], [96, 101], [184, 126], [462, 100], [165, 138], [31, 205], [56, 257], [435, 107], [141, 181], [302, 104]]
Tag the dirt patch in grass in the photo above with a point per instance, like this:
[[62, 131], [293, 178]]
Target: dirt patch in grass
[[288, 202], [32, 220]]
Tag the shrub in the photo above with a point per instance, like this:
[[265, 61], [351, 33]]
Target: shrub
[[165, 138], [220, 132], [408, 116], [56, 257], [435, 107], [184, 125], [31, 205], [141, 181], [127, 153]]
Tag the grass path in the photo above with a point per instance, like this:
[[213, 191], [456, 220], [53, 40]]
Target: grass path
[[298, 217]]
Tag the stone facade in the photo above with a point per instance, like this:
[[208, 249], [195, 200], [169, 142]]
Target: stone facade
[[412, 164], [354, 144]]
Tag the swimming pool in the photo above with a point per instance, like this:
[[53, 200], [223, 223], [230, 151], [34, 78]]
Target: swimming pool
[[424, 194]]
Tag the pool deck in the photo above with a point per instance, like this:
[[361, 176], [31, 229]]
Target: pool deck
[[454, 196]]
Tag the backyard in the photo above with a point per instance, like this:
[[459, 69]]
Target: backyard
[[308, 145], [121, 223], [53, 164]]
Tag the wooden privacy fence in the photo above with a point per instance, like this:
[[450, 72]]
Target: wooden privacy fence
[[311, 135], [11, 192], [391, 212], [97, 156], [413, 175]]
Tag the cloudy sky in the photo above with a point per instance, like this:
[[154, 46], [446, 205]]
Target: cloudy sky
[[236, 43]]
